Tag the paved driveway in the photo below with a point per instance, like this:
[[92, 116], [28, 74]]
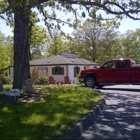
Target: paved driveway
[[121, 117]]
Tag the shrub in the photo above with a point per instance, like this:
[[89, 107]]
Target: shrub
[[4, 79], [43, 80], [7, 87]]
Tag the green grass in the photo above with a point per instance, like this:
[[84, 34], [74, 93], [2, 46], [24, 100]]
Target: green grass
[[61, 108]]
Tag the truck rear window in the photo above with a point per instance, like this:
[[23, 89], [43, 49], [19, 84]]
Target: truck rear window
[[122, 64]]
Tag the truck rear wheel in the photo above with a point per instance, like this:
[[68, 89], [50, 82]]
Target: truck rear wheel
[[90, 82]]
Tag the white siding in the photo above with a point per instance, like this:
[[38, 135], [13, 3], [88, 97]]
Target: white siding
[[71, 73], [68, 70]]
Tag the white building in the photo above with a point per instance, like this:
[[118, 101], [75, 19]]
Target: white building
[[57, 66]]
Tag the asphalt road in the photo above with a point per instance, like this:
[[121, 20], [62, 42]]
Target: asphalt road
[[120, 119]]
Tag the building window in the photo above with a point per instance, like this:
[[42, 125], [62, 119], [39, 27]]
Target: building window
[[76, 70], [58, 71]]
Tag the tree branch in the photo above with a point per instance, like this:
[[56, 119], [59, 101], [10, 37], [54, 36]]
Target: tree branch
[[104, 7]]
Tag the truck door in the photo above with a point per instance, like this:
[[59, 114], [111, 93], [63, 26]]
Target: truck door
[[107, 72], [123, 72]]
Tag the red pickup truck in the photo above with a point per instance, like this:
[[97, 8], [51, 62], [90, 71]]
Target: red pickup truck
[[111, 72]]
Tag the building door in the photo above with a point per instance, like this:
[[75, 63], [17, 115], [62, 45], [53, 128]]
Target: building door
[[76, 71]]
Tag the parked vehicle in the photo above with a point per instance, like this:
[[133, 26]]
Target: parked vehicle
[[111, 72]]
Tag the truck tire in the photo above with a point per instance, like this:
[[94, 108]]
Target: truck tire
[[90, 82]]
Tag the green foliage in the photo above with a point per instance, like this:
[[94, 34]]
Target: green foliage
[[7, 87], [38, 40], [95, 41], [4, 79], [43, 80], [130, 45], [56, 45], [6, 51], [99, 43]]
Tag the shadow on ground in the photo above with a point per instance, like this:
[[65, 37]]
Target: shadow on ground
[[119, 120]]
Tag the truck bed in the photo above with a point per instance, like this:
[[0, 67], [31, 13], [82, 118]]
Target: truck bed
[[136, 65]]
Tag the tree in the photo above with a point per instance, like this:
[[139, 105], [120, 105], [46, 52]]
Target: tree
[[136, 46], [37, 37], [37, 41], [130, 44], [55, 46], [110, 46], [6, 51], [96, 40], [20, 11]]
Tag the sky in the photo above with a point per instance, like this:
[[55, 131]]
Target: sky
[[126, 24], [129, 24]]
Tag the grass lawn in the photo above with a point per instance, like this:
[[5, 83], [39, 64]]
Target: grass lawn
[[62, 107]]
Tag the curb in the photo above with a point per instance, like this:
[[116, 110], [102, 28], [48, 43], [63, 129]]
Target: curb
[[85, 122]]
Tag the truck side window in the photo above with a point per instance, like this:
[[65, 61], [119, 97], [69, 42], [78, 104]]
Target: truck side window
[[110, 64], [122, 64]]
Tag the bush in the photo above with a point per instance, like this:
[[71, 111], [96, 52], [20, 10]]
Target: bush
[[7, 87], [43, 80], [4, 79]]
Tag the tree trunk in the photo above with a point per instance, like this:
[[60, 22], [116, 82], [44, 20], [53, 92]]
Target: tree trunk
[[21, 49]]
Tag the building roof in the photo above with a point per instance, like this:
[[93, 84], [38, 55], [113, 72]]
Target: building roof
[[61, 60]]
